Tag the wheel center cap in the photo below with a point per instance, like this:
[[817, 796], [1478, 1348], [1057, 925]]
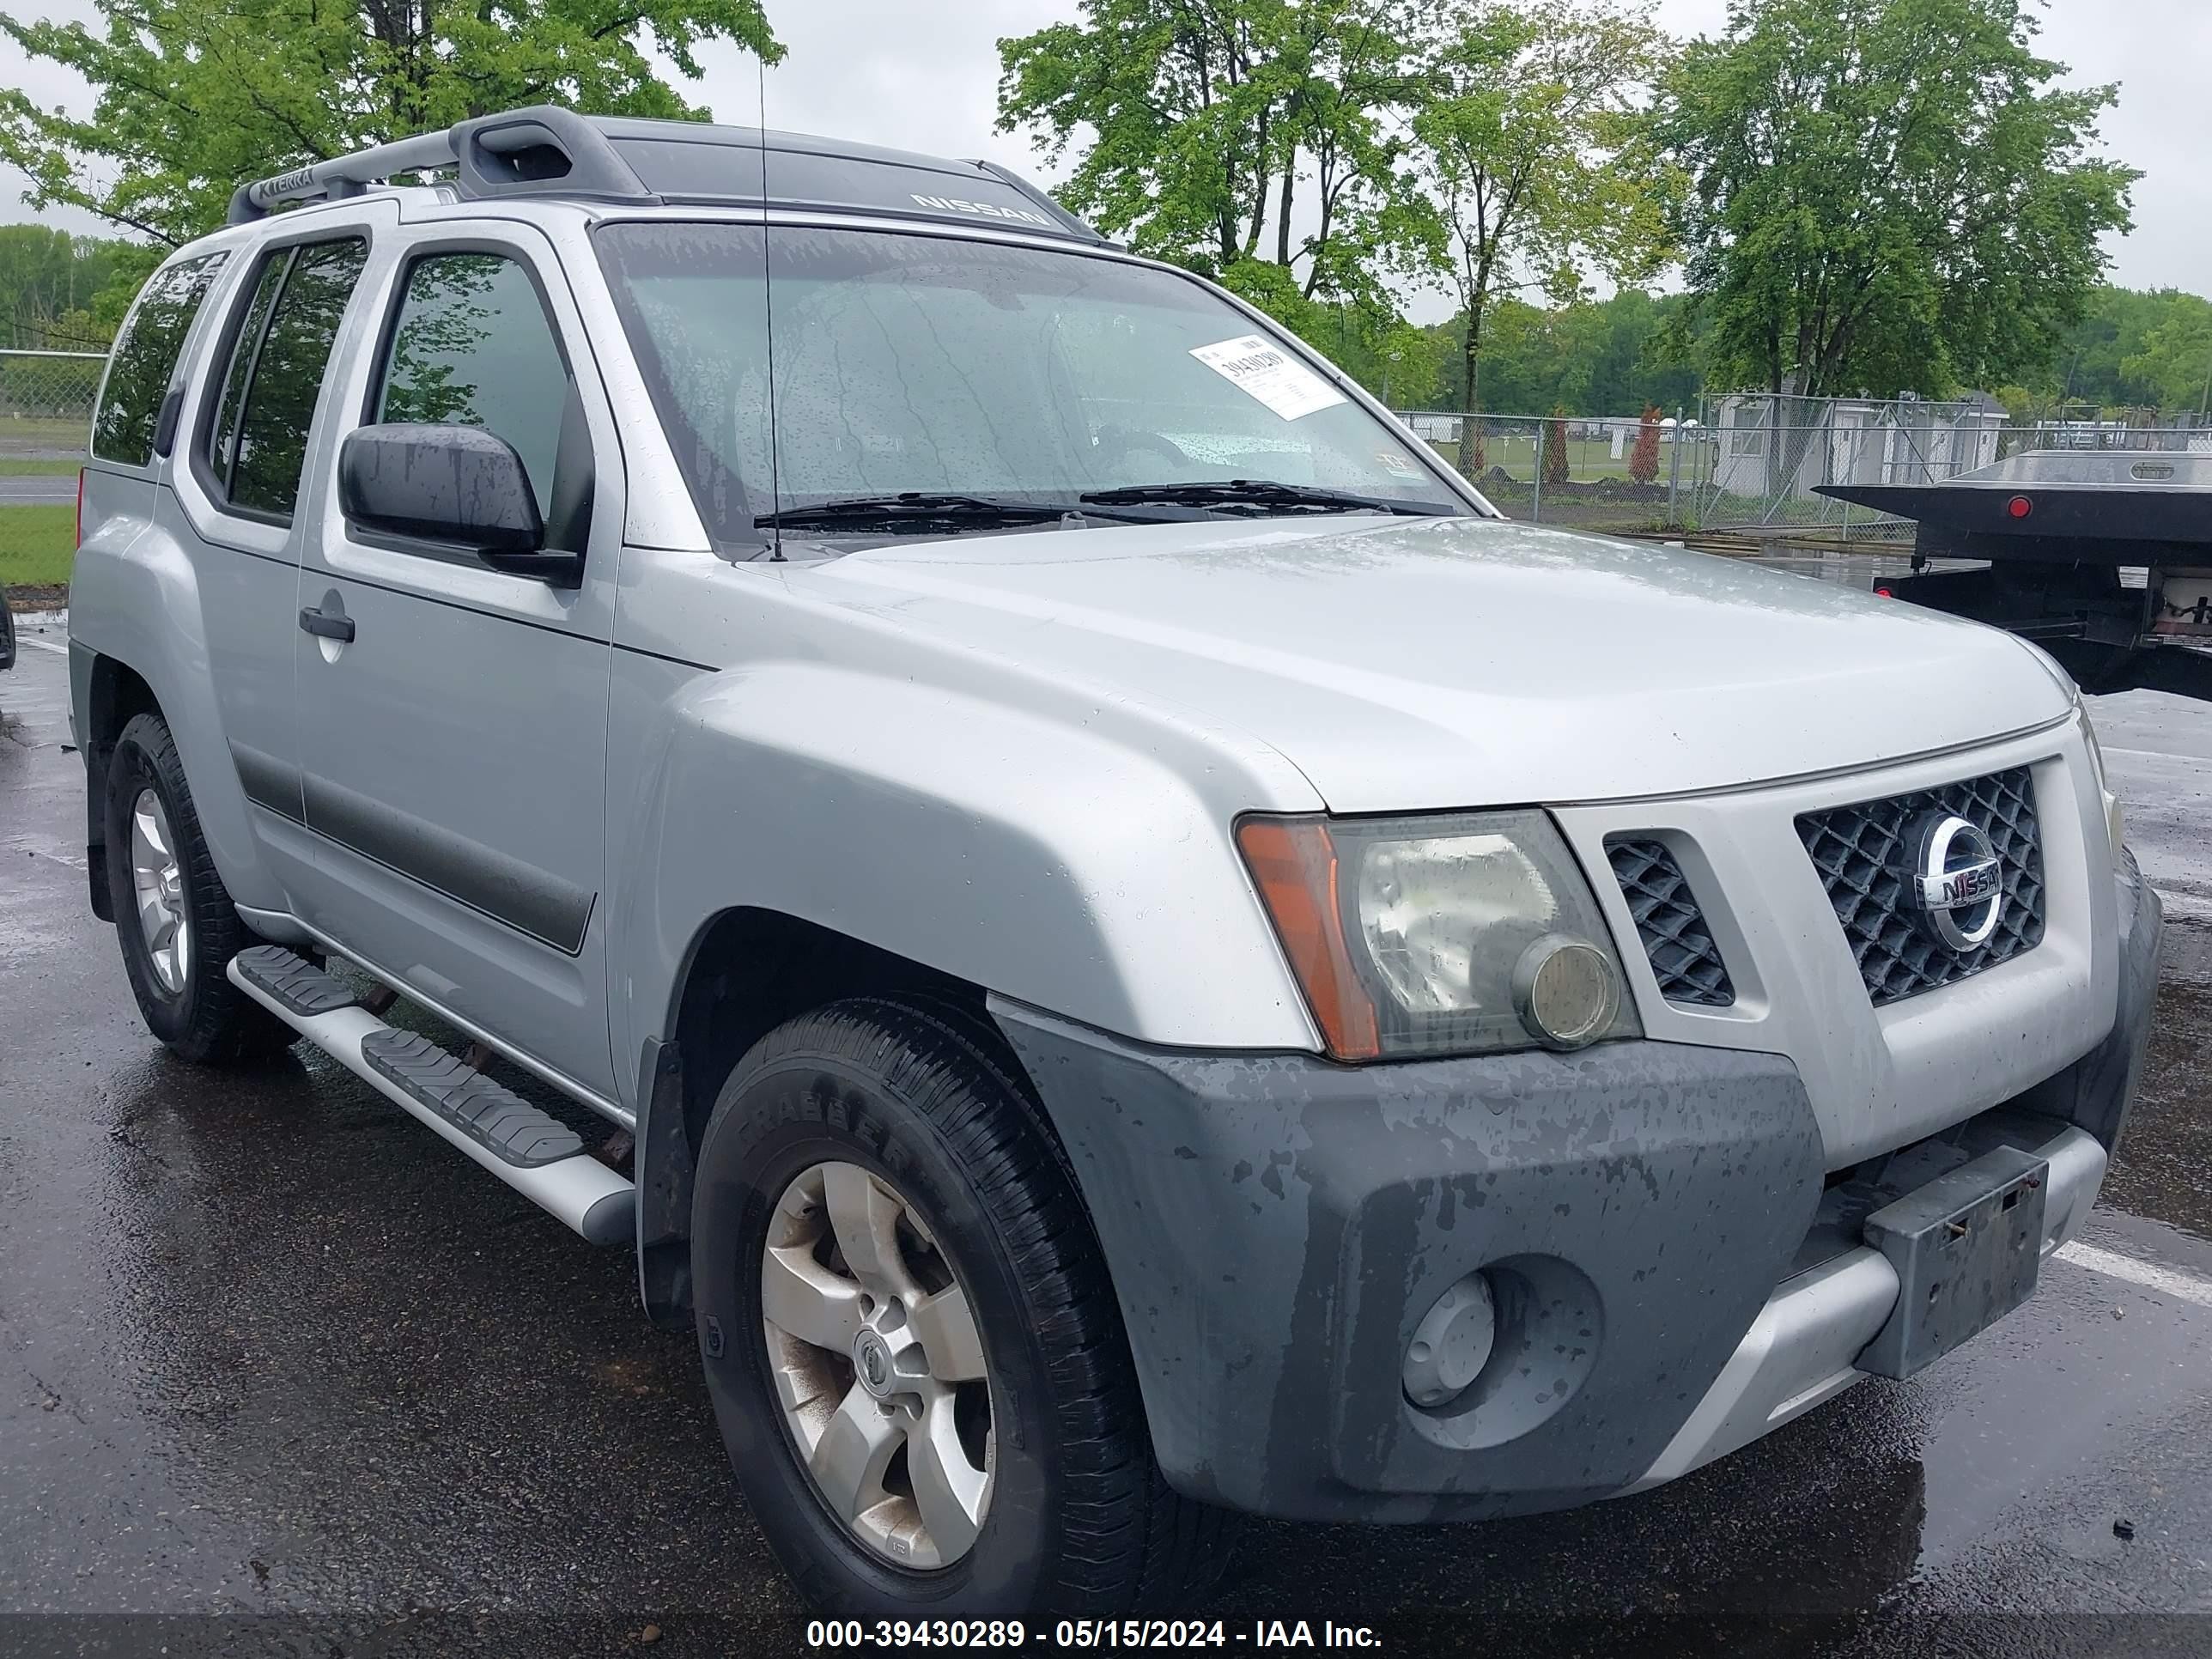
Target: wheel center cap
[[871, 1364]]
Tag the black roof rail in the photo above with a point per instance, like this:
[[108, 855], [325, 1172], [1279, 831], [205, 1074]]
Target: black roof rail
[[540, 150], [547, 151]]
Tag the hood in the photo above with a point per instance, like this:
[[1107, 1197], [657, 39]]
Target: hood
[[1405, 664]]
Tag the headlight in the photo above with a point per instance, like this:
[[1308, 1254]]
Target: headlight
[[2115, 819], [1463, 934]]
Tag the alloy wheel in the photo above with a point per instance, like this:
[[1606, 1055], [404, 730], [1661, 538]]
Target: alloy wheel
[[878, 1366], [158, 883]]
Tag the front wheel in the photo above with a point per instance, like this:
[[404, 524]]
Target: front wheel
[[912, 1346]]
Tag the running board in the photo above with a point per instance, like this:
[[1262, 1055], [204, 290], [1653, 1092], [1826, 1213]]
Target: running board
[[529, 1149]]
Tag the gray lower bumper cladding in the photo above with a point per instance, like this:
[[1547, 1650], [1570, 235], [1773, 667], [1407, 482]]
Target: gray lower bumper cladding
[[1278, 1226]]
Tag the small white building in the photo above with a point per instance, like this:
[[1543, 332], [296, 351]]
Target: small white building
[[1849, 441]]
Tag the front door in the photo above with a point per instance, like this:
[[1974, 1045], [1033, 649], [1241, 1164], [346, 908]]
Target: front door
[[454, 717]]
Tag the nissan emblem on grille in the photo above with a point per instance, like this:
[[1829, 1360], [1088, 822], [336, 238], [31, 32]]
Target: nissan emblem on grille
[[1957, 885]]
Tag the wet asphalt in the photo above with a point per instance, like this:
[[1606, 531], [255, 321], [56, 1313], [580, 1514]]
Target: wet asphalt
[[281, 1374], [36, 489]]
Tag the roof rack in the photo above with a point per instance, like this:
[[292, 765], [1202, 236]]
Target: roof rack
[[551, 152], [493, 155]]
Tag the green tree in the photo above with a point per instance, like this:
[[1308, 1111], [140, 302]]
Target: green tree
[[1534, 357], [1888, 194], [1605, 357], [1536, 170], [1635, 359], [2087, 368], [48, 282], [2175, 360], [193, 97], [1201, 125]]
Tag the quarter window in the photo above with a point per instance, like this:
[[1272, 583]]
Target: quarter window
[[257, 447], [146, 356], [223, 445], [471, 346]]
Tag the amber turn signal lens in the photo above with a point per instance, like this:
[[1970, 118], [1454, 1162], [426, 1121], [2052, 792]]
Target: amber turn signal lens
[[1294, 862]]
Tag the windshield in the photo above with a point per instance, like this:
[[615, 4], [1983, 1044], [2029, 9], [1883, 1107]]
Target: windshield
[[916, 363]]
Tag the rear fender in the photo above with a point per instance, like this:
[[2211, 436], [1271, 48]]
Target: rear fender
[[135, 598]]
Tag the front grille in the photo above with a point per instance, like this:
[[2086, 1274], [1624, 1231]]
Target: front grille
[[1684, 958], [1861, 853]]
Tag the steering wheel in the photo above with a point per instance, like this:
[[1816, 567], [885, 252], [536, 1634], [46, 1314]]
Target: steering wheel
[[1115, 444]]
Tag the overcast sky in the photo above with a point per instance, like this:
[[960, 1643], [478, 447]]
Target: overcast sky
[[925, 77]]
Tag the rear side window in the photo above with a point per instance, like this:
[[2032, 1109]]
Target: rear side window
[[145, 358], [223, 445], [257, 446]]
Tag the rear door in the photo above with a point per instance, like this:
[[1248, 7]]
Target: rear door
[[242, 451], [453, 756]]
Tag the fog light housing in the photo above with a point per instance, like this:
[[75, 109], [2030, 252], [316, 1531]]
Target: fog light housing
[[1452, 1343], [1565, 991]]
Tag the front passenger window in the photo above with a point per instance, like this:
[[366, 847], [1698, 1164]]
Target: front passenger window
[[472, 346]]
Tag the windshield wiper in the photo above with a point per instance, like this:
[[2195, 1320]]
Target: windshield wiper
[[924, 511], [1264, 495]]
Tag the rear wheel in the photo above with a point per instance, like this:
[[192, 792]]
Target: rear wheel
[[175, 919], [913, 1350]]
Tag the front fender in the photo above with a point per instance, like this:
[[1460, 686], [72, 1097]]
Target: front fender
[[1003, 845]]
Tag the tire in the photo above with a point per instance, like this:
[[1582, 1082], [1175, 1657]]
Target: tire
[[184, 993], [923, 1102]]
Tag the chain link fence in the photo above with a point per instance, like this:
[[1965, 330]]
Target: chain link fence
[[1766, 455], [1747, 465], [46, 402], [1588, 473]]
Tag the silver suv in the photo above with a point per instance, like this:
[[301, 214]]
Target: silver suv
[[1122, 947]]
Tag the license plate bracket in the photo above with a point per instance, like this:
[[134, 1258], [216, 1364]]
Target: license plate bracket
[[1968, 1249]]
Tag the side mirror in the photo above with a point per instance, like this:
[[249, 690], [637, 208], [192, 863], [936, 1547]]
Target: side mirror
[[457, 485]]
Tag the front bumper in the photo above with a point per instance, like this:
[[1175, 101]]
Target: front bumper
[[1276, 1226]]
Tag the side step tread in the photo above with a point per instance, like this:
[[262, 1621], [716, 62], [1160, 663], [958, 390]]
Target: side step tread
[[294, 981], [494, 1116]]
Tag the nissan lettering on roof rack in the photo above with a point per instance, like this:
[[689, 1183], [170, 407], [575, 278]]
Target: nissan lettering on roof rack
[[1118, 947]]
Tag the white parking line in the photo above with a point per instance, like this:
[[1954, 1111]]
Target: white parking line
[[44, 645], [2150, 1275], [2154, 754]]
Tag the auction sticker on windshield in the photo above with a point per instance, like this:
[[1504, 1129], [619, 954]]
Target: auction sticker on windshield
[[1265, 371]]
